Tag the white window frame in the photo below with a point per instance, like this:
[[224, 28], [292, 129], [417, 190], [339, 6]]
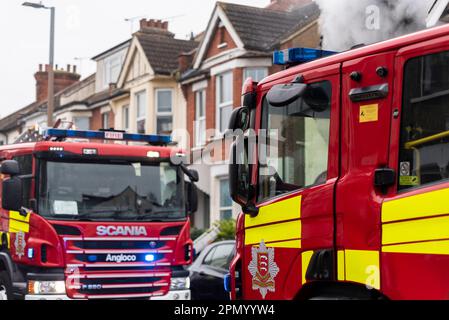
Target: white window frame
[[223, 104], [104, 117], [245, 71], [82, 117], [200, 133], [142, 93], [163, 113], [126, 117], [220, 208], [109, 63]]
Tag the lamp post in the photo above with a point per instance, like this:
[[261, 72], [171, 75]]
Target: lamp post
[[51, 75]]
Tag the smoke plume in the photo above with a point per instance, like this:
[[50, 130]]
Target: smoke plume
[[347, 23]]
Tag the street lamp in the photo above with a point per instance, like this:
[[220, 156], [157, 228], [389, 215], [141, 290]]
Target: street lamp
[[51, 75]]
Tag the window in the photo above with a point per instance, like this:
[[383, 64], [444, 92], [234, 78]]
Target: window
[[258, 74], [141, 107], [81, 123], [125, 118], [424, 142], [164, 117], [225, 200], [200, 118], [301, 156], [224, 100], [26, 172], [112, 68], [220, 256], [105, 120]]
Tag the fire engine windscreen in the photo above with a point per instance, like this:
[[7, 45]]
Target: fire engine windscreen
[[111, 191]]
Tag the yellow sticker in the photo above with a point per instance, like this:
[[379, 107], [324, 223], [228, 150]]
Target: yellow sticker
[[409, 181], [369, 113]]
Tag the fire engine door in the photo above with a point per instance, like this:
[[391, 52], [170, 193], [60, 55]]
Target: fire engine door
[[415, 214], [295, 190]]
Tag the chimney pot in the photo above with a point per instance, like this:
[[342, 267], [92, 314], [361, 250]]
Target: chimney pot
[[74, 69], [40, 67], [68, 68]]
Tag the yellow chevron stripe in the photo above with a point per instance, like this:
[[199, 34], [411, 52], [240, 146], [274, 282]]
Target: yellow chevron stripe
[[418, 206], [17, 216], [431, 247], [280, 211], [16, 226], [306, 256], [275, 232], [416, 230]]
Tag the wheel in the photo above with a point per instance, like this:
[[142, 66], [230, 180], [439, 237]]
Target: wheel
[[5, 286]]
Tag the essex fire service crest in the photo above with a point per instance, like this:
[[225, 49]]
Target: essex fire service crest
[[20, 244], [263, 269]]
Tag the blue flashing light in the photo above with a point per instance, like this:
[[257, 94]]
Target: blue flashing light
[[107, 135], [149, 257], [299, 55], [227, 282], [30, 253], [92, 258]]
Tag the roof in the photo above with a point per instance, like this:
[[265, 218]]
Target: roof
[[10, 122], [261, 29], [162, 50], [124, 44]]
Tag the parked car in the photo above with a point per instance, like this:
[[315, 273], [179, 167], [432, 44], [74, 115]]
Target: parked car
[[209, 269]]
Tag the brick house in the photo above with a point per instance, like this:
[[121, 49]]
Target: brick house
[[238, 43], [13, 125]]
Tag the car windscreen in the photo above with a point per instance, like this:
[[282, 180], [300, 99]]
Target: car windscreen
[[111, 190]]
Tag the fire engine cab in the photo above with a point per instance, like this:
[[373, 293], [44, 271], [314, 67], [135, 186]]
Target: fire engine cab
[[84, 217], [353, 200]]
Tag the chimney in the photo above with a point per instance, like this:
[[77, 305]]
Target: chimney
[[184, 61], [63, 79], [287, 5], [152, 24]]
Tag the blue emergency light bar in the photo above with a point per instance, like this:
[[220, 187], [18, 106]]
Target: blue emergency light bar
[[299, 55], [107, 135]]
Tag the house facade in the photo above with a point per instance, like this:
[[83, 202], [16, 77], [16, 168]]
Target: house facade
[[154, 103], [238, 43]]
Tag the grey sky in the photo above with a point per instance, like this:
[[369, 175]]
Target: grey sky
[[84, 28]]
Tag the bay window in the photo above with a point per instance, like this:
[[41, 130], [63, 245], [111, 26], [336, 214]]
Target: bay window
[[200, 118], [164, 111], [224, 100]]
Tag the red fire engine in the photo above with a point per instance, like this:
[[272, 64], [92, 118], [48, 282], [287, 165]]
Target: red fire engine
[[84, 218], [355, 202]]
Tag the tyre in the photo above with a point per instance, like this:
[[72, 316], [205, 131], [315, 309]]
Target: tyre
[[5, 286]]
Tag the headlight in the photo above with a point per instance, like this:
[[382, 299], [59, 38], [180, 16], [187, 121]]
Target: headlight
[[46, 287], [179, 284]]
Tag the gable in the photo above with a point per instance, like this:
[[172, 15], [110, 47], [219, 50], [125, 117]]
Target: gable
[[207, 49], [136, 64], [221, 41]]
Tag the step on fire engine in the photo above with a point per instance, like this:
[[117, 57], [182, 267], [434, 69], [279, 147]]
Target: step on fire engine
[[355, 204], [85, 218]]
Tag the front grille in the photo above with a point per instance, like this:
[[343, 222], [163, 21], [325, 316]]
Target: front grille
[[116, 268]]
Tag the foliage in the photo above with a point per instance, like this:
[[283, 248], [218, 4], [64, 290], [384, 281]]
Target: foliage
[[227, 230]]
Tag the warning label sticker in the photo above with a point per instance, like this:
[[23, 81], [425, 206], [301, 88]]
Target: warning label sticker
[[369, 113], [409, 181]]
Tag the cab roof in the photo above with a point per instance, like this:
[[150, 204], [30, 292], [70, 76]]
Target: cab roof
[[372, 49]]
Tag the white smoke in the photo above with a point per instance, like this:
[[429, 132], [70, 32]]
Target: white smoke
[[346, 23]]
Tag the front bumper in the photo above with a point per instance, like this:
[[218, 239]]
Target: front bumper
[[175, 295], [171, 295], [46, 297]]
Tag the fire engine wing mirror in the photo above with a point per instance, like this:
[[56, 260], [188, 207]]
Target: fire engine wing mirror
[[282, 95], [179, 161], [239, 119], [192, 198], [10, 167], [240, 187], [12, 194]]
